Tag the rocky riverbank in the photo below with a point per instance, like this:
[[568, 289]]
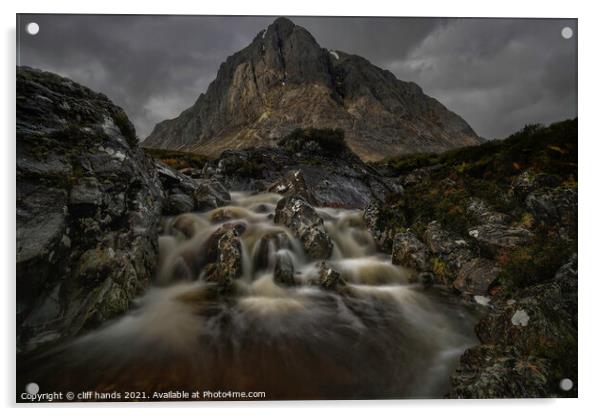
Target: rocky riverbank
[[495, 224]]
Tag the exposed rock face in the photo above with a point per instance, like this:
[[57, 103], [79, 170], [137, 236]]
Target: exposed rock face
[[284, 80], [88, 207], [305, 223]]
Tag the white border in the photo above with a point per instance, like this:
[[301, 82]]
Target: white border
[[590, 139]]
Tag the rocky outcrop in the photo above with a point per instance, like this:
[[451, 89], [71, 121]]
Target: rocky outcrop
[[284, 80], [529, 343], [305, 223], [88, 208]]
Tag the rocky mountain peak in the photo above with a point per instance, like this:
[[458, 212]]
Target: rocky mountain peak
[[285, 80]]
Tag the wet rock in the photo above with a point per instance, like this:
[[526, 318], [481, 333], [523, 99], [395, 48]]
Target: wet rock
[[178, 204], [305, 223], [84, 190], [494, 237], [329, 278], [293, 184], [268, 245], [228, 265], [381, 223], [409, 251], [476, 276], [482, 213], [210, 194], [490, 372], [284, 270]]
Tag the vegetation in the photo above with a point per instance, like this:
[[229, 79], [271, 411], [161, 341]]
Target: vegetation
[[331, 141], [442, 186], [178, 159]]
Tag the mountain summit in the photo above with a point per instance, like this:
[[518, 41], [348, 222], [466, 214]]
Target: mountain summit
[[284, 80]]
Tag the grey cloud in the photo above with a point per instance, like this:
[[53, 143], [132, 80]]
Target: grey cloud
[[499, 74]]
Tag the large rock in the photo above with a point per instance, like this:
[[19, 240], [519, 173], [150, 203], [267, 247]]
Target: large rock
[[228, 264], [476, 276], [329, 278], [88, 209], [495, 237], [409, 251], [305, 223]]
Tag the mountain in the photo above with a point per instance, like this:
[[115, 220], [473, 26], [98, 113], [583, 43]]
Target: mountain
[[284, 79]]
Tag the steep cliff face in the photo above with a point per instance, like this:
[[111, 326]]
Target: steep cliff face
[[88, 209], [284, 80]]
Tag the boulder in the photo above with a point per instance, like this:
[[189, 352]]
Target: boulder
[[305, 223], [476, 276], [293, 184], [284, 270], [210, 194], [494, 237], [228, 265], [409, 251], [329, 278], [88, 210]]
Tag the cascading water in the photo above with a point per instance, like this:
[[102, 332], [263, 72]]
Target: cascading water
[[381, 338]]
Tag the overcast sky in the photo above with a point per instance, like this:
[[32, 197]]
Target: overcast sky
[[498, 74]]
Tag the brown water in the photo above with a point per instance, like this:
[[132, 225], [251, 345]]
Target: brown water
[[383, 338]]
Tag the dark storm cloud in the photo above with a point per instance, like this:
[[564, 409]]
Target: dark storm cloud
[[499, 74]]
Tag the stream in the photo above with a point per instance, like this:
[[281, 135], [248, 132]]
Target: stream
[[381, 338]]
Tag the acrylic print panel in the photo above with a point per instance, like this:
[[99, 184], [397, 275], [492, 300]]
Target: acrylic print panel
[[274, 208]]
